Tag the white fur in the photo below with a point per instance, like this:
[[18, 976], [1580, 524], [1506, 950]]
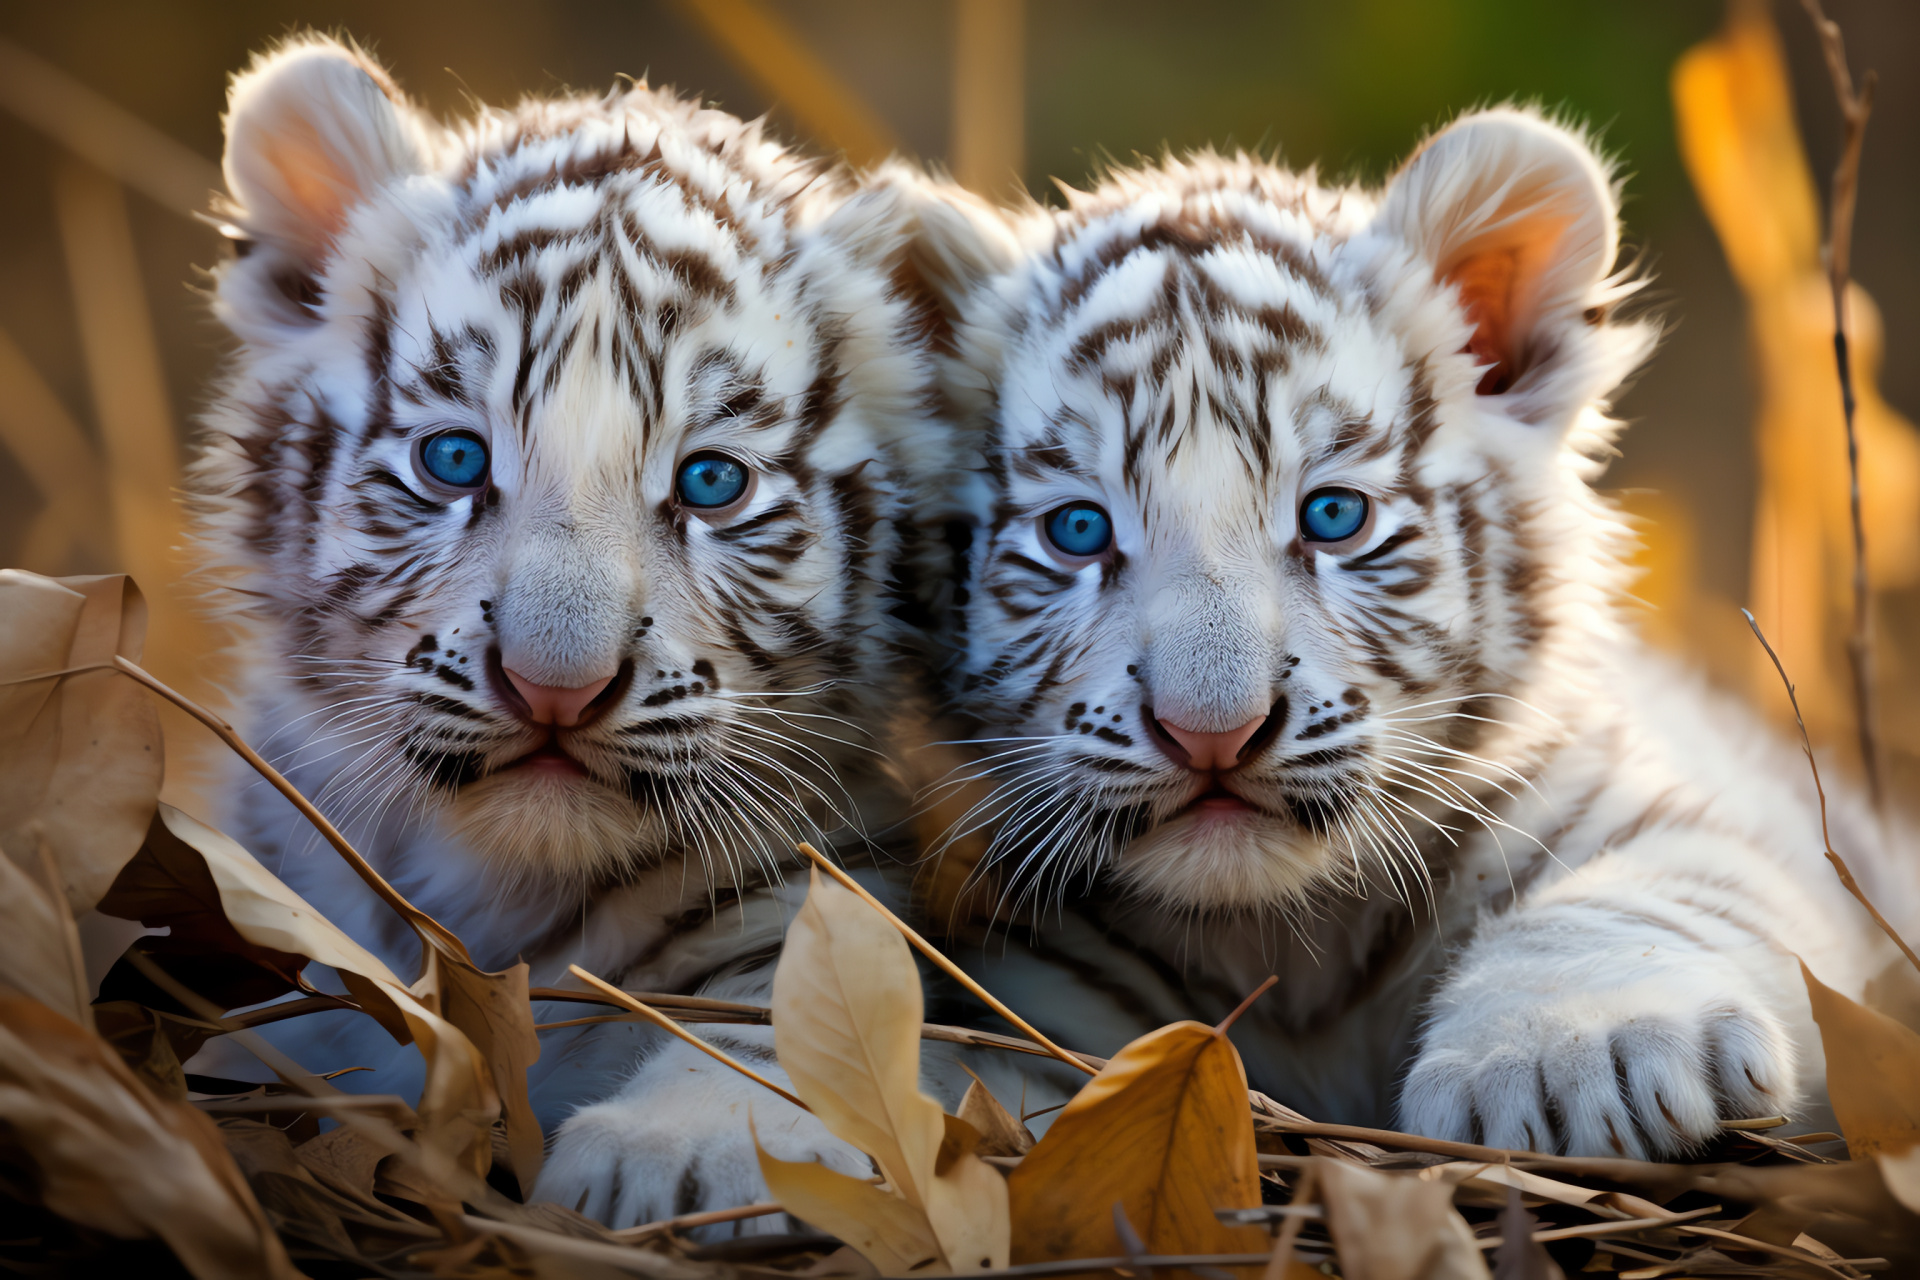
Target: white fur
[[1553, 890]]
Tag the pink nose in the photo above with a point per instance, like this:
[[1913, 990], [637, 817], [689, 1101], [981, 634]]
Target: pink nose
[[1212, 750], [548, 704]]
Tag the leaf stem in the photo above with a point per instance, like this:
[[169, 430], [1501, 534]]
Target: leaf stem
[[947, 966], [1839, 863], [667, 1024]]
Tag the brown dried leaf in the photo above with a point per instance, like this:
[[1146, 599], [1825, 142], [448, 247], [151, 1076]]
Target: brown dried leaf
[[1396, 1228], [112, 1156], [343, 1158], [494, 1012], [458, 1103], [1001, 1133], [1873, 1072], [39, 948], [80, 754], [847, 1011], [1164, 1132]]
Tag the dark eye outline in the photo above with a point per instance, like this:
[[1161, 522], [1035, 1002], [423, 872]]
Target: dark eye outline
[[725, 509], [1074, 559], [444, 489], [1347, 541]]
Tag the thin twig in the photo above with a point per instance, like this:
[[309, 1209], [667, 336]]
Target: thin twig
[[1610, 1228], [1282, 1260], [424, 924], [667, 1024], [951, 969], [702, 1009], [1855, 107], [689, 1221], [1142, 1262], [1839, 864]]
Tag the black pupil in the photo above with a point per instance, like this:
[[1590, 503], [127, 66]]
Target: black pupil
[[1080, 521]]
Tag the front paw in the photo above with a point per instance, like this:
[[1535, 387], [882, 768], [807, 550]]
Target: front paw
[[676, 1141], [1642, 1064]]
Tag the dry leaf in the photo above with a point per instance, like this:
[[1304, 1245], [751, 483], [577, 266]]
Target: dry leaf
[[887, 1231], [110, 1155], [1901, 1173], [1873, 1072], [1396, 1228], [1164, 1132], [80, 755], [458, 1103], [1001, 1133], [39, 948], [494, 1012], [847, 1010]]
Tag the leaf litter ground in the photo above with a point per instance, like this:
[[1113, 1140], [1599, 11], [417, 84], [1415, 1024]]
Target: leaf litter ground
[[1163, 1162]]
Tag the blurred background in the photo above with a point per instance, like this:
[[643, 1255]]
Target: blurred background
[[1723, 120]]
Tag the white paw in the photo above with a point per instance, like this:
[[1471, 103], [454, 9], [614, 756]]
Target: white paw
[[675, 1140], [1610, 1059]]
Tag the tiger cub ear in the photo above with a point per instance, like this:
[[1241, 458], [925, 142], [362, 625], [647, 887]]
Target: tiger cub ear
[[314, 129], [1520, 216], [945, 245]]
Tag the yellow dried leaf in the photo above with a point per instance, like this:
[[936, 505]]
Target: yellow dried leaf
[[80, 754], [1164, 1132], [1389, 1227], [1873, 1072], [458, 1103], [110, 1155], [847, 1011], [883, 1228]]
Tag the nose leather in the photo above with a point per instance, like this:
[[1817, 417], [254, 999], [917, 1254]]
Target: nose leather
[[549, 704], [1213, 750]]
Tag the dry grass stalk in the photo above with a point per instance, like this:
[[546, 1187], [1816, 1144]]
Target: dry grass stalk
[[947, 966], [1839, 864], [426, 925], [661, 1020], [1855, 107]]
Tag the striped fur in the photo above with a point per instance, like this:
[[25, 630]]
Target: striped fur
[[598, 287], [1523, 882]]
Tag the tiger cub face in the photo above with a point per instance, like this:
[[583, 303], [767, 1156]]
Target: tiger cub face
[[1285, 503], [561, 463]]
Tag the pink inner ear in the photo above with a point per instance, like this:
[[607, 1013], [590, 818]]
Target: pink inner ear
[[1487, 283]]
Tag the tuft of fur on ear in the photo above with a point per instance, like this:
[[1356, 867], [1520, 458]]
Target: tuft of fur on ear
[[1520, 216], [953, 242], [314, 129]]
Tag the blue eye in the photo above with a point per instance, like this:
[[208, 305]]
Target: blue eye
[[1332, 515], [709, 480], [457, 459], [1079, 529]]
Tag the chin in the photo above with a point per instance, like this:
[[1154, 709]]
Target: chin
[[560, 824], [1217, 860]]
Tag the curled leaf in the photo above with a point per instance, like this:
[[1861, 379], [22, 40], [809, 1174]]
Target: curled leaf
[[458, 1103], [847, 1010], [1164, 1133], [80, 755], [111, 1155], [1389, 1228], [1873, 1072]]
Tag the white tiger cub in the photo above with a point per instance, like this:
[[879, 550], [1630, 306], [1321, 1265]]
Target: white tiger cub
[[561, 474], [1293, 638]]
